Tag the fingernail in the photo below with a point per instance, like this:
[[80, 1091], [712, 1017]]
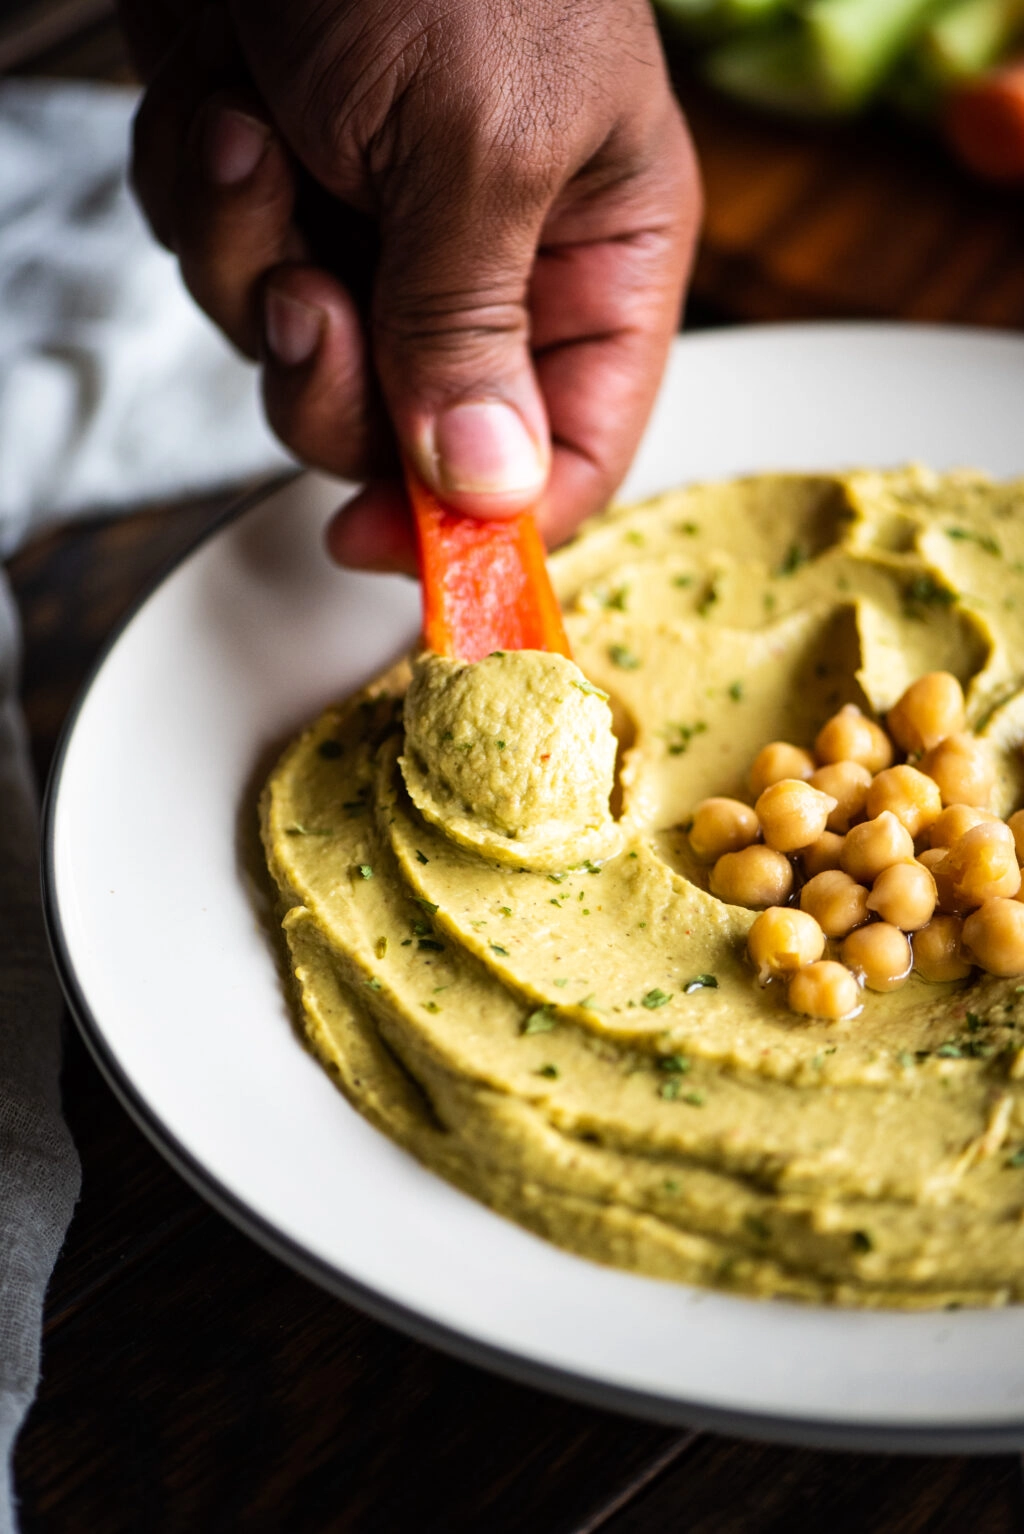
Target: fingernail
[[233, 145], [293, 329], [484, 447]]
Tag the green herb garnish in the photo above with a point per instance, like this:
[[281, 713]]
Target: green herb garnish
[[421, 857], [540, 1021], [497, 948], [700, 983], [430, 945], [695, 1099], [372, 985], [669, 1089], [588, 687], [926, 591], [969, 535], [735, 691], [675, 1065], [861, 1241], [794, 557], [365, 871], [655, 999], [621, 655], [428, 905], [330, 750], [1017, 1159], [550, 1071]]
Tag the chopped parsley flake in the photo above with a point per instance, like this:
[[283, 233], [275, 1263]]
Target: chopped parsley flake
[[421, 857], [679, 736], [430, 945], [861, 1241], [497, 948], [560, 983], [587, 1001], [655, 999], [695, 1099], [365, 870], [701, 983], [428, 905], [669, 1089], [540, 1021], [675, 1065], [757, 1227], [708, 600], [558, 878], [1017, 1159], [688, 529], [682, 581], [621, 655], [969, 535], [431, 1006], [588, 687], [735, 691], [330, 750], [500, 745], [950, 1052], [926, 591], [506, 910], [617, 599], [670, 1185], [974, 1022], [550, 1071], [372, 985], [794, 557]]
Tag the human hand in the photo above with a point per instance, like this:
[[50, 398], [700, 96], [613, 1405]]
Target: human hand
[[506, 200]]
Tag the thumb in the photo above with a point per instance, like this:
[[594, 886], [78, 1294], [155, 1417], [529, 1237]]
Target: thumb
[[451, 343]]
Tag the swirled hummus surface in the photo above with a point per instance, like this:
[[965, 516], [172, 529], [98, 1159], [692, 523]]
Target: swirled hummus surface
[[568, 1029]]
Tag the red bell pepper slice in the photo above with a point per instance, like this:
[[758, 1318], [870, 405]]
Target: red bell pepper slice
[[485, 584]]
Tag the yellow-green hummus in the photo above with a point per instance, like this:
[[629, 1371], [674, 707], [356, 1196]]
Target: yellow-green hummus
[[548, 1007]]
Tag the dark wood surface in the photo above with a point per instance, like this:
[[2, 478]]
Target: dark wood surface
[[190, 1381]]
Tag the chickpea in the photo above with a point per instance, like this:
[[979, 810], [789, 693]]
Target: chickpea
[[822, 854], [963, 768], [905, 895], [778, 760], [994, 934], [929, 710], [782, 940], [913, 798], [955, 822], [1016, 825], [850, 736], [847, 783], [837, 902], [757, 877], [936, 860], [879, 955], [722, 825], [983, 864], [875, 844], [937, 951], [792, 814], [825, 989]]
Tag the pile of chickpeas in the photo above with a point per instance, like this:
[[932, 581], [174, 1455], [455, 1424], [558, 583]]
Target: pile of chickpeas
[[898, 866]]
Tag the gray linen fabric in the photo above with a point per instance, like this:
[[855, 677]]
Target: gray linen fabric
[[39, 1174], [114, 390]]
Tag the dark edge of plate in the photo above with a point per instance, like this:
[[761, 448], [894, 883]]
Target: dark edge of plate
[[869, 1437]]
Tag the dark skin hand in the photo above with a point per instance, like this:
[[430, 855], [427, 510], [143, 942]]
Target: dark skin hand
[[455, 230]]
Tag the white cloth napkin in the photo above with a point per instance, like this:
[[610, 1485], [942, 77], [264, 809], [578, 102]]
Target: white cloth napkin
[[114, 390]]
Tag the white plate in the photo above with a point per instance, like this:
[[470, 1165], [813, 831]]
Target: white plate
[[175, 985]]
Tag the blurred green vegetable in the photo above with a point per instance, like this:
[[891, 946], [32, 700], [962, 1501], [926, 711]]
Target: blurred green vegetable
[[967, 37], [825, 61], [714, 18]]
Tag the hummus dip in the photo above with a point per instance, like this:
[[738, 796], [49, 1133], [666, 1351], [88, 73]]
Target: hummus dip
[[509, 960]]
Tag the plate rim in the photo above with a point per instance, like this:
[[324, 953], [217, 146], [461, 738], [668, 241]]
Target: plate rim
[[819, 1432]]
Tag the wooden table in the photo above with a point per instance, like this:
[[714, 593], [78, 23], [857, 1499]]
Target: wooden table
[[190, 1381]]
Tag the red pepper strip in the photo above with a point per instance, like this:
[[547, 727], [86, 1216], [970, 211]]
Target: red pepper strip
[[485, 584]]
